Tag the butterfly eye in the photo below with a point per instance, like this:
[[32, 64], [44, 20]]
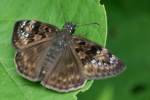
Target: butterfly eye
[[70, 27]]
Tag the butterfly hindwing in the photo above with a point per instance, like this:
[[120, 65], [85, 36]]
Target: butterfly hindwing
[[30, 32], [34, 62], [97, 61], [29, 61], [66, 75]]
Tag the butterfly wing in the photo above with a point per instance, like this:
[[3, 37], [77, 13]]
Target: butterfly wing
[[29, 61], [97, 61], [30, 32], [66, 75], [31, 39], [35, 61]]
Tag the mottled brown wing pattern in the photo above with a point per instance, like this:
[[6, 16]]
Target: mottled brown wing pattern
[[29, 61], [66, 75], [97, 61], [30, 32]]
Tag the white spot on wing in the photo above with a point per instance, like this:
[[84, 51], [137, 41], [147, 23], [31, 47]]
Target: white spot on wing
[[98, 52], [93, 61], [99, 63], [24, 35]]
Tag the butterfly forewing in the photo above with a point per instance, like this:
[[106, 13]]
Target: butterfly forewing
[[97, 61], [30, 32], [66, 75]]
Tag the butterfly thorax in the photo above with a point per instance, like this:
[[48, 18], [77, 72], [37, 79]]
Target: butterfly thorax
[[63, 37]]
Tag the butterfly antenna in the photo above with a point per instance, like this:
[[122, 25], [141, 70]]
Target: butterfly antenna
[[94, 23]]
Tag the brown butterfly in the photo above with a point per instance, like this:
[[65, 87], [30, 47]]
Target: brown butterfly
[[58, 59]]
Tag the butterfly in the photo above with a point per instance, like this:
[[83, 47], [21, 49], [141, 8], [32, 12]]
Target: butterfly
[[57, 58]]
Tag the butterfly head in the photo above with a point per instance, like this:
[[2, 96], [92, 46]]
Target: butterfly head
[[70, 27]]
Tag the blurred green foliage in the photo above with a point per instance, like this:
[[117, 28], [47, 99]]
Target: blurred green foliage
[[128, 38]]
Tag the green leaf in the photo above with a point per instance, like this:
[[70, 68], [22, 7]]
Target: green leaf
[[56, 12]]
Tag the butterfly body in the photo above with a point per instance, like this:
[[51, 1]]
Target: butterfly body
[[58, 59]]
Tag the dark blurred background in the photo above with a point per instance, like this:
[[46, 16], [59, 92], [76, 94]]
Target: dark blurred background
[[128, 38]]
